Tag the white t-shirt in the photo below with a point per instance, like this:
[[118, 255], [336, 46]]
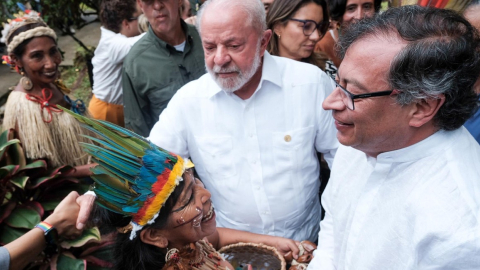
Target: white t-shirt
[[257, 157], [107, 65], [180, 47]]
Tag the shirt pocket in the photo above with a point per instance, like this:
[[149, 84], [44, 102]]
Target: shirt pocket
[[217, 156], [292, 148]]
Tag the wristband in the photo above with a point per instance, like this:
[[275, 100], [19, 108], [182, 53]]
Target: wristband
[[51, 236]]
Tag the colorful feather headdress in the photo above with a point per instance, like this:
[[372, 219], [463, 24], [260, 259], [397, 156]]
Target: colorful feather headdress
[[133, 177]]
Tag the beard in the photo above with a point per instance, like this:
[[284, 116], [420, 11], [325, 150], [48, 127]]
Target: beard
[[234, 83]]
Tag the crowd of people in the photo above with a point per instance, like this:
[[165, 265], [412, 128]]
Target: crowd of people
[[258, 94]]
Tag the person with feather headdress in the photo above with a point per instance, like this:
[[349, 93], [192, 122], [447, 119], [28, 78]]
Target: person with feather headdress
[[164, 216]]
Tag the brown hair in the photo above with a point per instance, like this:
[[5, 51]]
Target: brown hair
[[113, 12], [281, 11]]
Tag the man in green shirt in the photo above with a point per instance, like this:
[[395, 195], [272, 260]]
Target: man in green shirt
[[166, 58]]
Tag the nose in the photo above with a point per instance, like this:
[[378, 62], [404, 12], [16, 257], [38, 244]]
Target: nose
[[205, 195], [315, 36], [50, 62], [221, 56], [334, 101], [157, 4], [359, 13]]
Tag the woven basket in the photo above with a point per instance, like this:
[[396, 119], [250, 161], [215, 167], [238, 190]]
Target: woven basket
[[259, 256]]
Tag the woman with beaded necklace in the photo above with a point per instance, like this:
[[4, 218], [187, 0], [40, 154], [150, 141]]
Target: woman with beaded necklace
[[44, 130]]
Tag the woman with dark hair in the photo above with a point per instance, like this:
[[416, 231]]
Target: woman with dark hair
[[343, 13], [44, 130], [162, 213], [297, 26]]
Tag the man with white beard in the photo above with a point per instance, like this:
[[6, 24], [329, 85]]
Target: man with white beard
[[252, 126]]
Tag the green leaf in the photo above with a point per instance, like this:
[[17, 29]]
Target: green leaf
[[65, 262], [8, 234], [35, 165], [6, 210], [8, 170], [50, 205], [23, 218], [92, 234], [20, 181]]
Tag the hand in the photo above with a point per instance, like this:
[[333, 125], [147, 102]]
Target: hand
[[86, 202], [287, 247], [65, 215]]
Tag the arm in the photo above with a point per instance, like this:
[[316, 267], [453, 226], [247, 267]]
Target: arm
[[223, 237], [81, 171], [26, 248]]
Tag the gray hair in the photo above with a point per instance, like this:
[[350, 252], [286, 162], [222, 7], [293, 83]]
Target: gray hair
[[442, 57], [253, 8]]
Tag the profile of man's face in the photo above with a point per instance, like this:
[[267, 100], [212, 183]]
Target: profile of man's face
[[163, 15], [377, 124]]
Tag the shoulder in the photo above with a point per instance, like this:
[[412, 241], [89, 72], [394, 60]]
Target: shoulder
[[139, 48], [299, 72], [198, 89]]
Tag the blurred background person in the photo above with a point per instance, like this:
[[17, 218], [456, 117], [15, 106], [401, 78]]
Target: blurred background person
[[343, 13], [297, 26], [267, 4], [119, 31], [186, 10]]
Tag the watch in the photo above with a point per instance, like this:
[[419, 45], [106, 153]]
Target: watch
[[51, 237]]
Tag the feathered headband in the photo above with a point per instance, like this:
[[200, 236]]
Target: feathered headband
[[22, 19], [133, 177]]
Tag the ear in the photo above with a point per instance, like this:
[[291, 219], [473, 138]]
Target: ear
[[424, 110], [154, 237], [267, 35], [278, 29], [125, 24], [15, 61]]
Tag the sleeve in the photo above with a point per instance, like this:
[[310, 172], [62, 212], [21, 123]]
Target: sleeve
[[170, 132], [326, 141], [323, 256], [135, 107], [4, 258]]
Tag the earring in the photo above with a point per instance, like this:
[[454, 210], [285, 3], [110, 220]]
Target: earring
[[172, 254], [25, 81], [278, 36]]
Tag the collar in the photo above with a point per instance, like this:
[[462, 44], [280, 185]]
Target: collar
[[163, 44], [270, 72], [430, 146]]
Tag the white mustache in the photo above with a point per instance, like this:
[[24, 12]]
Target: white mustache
[[219, 69]]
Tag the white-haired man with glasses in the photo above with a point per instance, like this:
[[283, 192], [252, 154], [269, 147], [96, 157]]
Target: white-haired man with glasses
[[404, 192]]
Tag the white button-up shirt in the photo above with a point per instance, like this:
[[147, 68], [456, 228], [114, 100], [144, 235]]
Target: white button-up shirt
[[257, 157], [107, 65], [413, 208]]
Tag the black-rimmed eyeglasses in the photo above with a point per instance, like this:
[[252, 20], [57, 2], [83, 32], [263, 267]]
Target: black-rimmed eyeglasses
[[309, 26], [133, 18], [348, 98]]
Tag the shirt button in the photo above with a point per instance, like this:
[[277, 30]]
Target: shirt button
[[288, 138]]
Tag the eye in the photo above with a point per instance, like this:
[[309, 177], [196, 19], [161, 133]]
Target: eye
[[351, 8], [368, 6], [36, 55]]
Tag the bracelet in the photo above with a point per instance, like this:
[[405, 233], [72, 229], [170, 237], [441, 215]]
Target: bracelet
[[51, 237]]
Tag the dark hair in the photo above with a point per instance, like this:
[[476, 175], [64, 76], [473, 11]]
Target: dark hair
[[113, 12], [337, 8], [442, 57], [281, 11], [135, 254]]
